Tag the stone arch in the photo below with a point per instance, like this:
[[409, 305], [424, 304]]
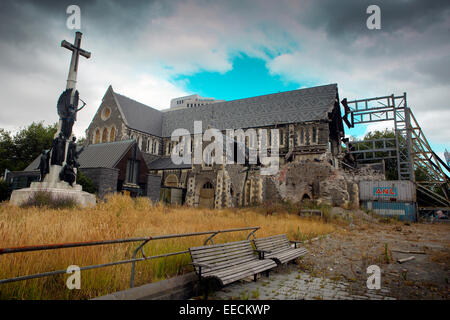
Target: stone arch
[[171, 181], [139, 142], [233, 197], [150, 145], [105, 135], [204, 196], [97, 136], [112, 134], [306, 197]]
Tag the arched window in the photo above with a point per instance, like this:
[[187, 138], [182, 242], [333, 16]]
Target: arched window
[[171, 181], [149, 145], [97, 136], [112, 134], [208, 185], [105, 135]]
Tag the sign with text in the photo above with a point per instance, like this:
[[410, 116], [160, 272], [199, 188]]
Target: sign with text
[[385, 192]]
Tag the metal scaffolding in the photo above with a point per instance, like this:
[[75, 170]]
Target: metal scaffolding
[[410, 146]]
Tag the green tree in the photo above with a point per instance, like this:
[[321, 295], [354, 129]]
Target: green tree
[[81, 141], [7, 151], [390, 164], [3, 190], [421, 173], [18, 151]]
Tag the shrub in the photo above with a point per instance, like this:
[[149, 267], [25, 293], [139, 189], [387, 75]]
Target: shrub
[[45, 199], [3, 190], [86, 182]]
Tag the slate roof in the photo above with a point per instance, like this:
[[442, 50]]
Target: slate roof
[[101, 155], [140, 116], [310, 104], [166, 163]]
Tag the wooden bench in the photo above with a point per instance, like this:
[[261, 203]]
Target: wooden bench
[[278, 248], [228, 262]]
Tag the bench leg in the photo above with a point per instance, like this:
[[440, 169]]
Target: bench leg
[[267, 273], [254, 277], [205, 289]]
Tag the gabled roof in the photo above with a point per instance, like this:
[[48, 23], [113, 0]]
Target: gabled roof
[[310, 104], [139, 116], [101, 155], [166, 163], [104, 155]]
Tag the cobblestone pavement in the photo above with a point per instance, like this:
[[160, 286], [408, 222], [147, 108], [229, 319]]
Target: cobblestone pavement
[[290, 283]]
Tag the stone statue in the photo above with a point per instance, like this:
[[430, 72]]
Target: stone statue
[[72, 154], [68, 111], [67, 174], [58, 150], [44, 164]]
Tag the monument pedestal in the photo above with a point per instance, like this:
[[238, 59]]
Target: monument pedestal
[[56, 190]]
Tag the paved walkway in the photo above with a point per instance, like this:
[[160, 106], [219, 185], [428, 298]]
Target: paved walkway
[[289, 283]]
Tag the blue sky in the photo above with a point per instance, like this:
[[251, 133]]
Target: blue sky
[[248, 77]]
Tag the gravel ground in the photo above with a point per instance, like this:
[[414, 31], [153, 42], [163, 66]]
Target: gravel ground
[[347, 253], [335, 267]]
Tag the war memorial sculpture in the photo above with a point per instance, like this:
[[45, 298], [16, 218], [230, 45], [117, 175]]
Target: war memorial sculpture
[[58, 167]]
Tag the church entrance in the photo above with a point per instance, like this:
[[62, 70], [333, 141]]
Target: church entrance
[[206, 199]]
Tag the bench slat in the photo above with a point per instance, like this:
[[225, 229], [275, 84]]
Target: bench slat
[[222, 251], [229, 262], [220, 263], [220, 245], [237, 268], [212, 248], [280, 247], [242, 273]]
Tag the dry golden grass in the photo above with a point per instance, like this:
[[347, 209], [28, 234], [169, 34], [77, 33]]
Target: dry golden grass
[[121, 217]]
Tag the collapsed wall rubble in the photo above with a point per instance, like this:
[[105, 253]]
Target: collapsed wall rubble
[[322, 179]]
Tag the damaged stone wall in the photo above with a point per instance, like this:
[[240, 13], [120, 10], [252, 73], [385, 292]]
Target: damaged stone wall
[[319, 179]]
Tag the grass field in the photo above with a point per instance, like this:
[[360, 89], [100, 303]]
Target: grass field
[[122, 217]]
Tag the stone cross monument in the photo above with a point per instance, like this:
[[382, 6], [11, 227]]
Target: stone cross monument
[[76, 52], [59, 166]]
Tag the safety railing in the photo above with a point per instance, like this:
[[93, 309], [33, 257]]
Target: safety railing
[[142, 242]]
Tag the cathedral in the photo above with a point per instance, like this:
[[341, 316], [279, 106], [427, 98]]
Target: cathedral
[[129, 148], [310, 130]]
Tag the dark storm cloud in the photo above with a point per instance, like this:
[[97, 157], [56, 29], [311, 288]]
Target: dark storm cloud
[[409, 29], [344, 19], [20, 21]]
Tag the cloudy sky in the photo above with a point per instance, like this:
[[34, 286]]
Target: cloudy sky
[[153, 51]]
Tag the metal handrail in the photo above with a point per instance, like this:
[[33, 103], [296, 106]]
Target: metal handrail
[[143, 241]]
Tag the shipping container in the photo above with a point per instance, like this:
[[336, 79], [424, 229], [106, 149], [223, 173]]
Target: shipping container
[[387, 191], [404, 211]]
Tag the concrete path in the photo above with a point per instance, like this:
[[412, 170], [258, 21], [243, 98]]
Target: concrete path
[[290, 283]]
